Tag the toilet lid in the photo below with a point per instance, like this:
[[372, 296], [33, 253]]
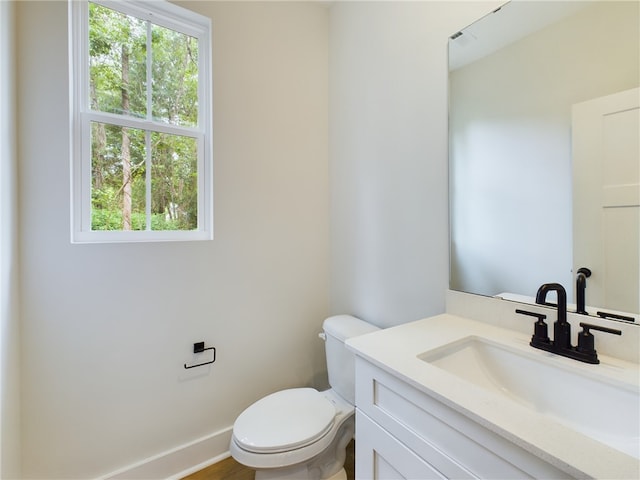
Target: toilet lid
[[284, 421]]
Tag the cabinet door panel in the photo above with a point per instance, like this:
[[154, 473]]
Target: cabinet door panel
[[382, 457]]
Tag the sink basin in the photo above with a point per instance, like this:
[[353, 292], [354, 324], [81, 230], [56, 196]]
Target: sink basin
[[591, 403]]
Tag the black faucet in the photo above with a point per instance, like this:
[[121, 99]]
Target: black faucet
[[581, 286], [561, 343], [561, 328]]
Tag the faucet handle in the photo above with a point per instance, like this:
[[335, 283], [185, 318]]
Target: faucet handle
[[540, 332], [586, 340], [616, 316], [539, 316]]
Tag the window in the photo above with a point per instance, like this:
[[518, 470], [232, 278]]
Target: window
[[141, 122]]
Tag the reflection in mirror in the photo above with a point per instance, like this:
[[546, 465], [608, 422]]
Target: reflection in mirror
[[515, 76]]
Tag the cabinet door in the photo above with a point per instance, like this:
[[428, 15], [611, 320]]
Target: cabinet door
[[382, 457]]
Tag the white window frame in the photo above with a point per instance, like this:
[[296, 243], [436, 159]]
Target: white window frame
[[166, 15]]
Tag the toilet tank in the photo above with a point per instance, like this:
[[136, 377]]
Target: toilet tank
[[340, 360]]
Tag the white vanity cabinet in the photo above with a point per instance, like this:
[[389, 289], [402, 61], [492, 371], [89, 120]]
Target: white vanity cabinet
[[403, 432]]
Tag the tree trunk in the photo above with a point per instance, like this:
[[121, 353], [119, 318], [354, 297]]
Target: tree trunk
[[98, 162], [126, 142]]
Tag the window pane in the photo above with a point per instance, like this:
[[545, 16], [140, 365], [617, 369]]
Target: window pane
[[117, 62], [118, 178], [174, 182], [175, 77]]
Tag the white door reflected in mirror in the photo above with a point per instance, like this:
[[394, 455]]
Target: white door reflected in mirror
[[606, 198]]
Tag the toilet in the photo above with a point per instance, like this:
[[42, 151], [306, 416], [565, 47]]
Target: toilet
[[302, 433]]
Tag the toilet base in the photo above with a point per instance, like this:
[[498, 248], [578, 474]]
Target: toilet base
[[341, 475], [329, 465], [294, 474]]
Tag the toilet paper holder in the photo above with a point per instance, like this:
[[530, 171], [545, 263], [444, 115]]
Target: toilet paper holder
[[199, 347]]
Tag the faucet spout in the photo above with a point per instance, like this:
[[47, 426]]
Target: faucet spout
[[581, 286], [561, 328]]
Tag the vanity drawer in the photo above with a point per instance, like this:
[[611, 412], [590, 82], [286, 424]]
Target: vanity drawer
[[454, 444]]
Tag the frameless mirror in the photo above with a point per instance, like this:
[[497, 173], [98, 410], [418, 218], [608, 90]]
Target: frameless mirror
[[521, 81]]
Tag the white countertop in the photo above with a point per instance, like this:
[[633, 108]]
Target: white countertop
[[396, 350]]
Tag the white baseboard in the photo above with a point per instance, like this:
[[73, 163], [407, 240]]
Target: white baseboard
[[180, 461]]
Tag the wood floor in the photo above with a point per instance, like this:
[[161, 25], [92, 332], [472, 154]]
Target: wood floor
[[229, 469]]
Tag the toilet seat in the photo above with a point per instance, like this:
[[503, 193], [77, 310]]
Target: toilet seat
[[284, 421]]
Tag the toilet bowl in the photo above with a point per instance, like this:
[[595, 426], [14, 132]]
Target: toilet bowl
[[302, 433]]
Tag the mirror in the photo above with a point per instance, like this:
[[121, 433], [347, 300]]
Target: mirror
[[516, 78]]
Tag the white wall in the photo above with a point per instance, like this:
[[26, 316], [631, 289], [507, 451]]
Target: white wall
[[388, 156], [9, 318], [107, 328]]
